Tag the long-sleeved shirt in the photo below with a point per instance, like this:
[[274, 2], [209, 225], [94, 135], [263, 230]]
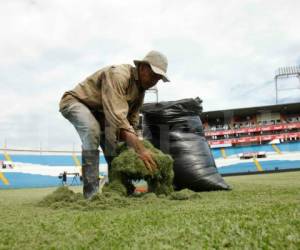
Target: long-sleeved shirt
[[113, 93]]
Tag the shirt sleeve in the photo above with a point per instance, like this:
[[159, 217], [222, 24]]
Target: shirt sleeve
[[114, 101], [134, 119], [134, 116]]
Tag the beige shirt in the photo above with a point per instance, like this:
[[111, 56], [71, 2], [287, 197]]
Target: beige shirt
[[113, 93]]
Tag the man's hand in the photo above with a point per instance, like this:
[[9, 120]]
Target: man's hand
[[133, 141], [147, 157]]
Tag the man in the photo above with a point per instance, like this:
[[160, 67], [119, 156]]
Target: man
[[104, 108]]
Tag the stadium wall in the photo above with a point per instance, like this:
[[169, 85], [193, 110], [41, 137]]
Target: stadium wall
[[281, 156], [31, 169]]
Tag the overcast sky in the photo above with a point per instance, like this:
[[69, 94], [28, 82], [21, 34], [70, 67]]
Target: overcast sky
[[225, 52]]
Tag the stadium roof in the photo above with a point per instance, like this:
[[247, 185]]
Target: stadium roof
[[289, 108]]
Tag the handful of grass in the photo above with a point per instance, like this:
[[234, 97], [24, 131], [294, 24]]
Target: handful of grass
[[128, 167]]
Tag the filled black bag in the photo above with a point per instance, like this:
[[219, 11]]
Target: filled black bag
[[175, 128]]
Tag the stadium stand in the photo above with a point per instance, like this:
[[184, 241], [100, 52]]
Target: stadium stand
[[254, 139]]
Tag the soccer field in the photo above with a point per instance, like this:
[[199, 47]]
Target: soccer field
[[261, 212]]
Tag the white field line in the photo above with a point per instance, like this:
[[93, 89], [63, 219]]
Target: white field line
[[28, 168], [231, 160]]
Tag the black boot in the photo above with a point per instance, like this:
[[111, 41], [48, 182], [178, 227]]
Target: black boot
[[90, 172]]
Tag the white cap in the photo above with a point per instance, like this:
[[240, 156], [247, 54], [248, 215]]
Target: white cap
[[158, 63]]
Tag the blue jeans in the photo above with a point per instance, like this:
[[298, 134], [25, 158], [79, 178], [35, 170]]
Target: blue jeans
[[89, 129]]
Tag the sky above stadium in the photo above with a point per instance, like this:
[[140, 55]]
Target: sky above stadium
[[225, 52]]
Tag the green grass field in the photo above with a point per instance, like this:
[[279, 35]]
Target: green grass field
[[261, 212]]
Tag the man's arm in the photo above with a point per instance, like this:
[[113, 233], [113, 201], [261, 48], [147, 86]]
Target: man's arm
[[133, 141], [116, 109]]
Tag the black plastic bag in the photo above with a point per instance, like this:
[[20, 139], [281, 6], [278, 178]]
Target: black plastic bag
[[176, 129]]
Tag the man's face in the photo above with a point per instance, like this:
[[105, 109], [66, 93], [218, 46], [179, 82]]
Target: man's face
[[147, 77]]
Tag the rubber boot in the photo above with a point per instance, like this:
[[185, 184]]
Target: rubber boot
[[90, 172]]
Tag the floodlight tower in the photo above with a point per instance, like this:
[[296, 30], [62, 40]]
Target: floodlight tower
[[155, 91], [286, 72]]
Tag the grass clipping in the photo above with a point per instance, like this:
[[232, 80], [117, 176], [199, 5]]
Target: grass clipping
[[128, 167], [63, 197]]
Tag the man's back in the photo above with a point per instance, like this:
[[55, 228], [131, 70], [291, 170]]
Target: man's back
[[89, 91]]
